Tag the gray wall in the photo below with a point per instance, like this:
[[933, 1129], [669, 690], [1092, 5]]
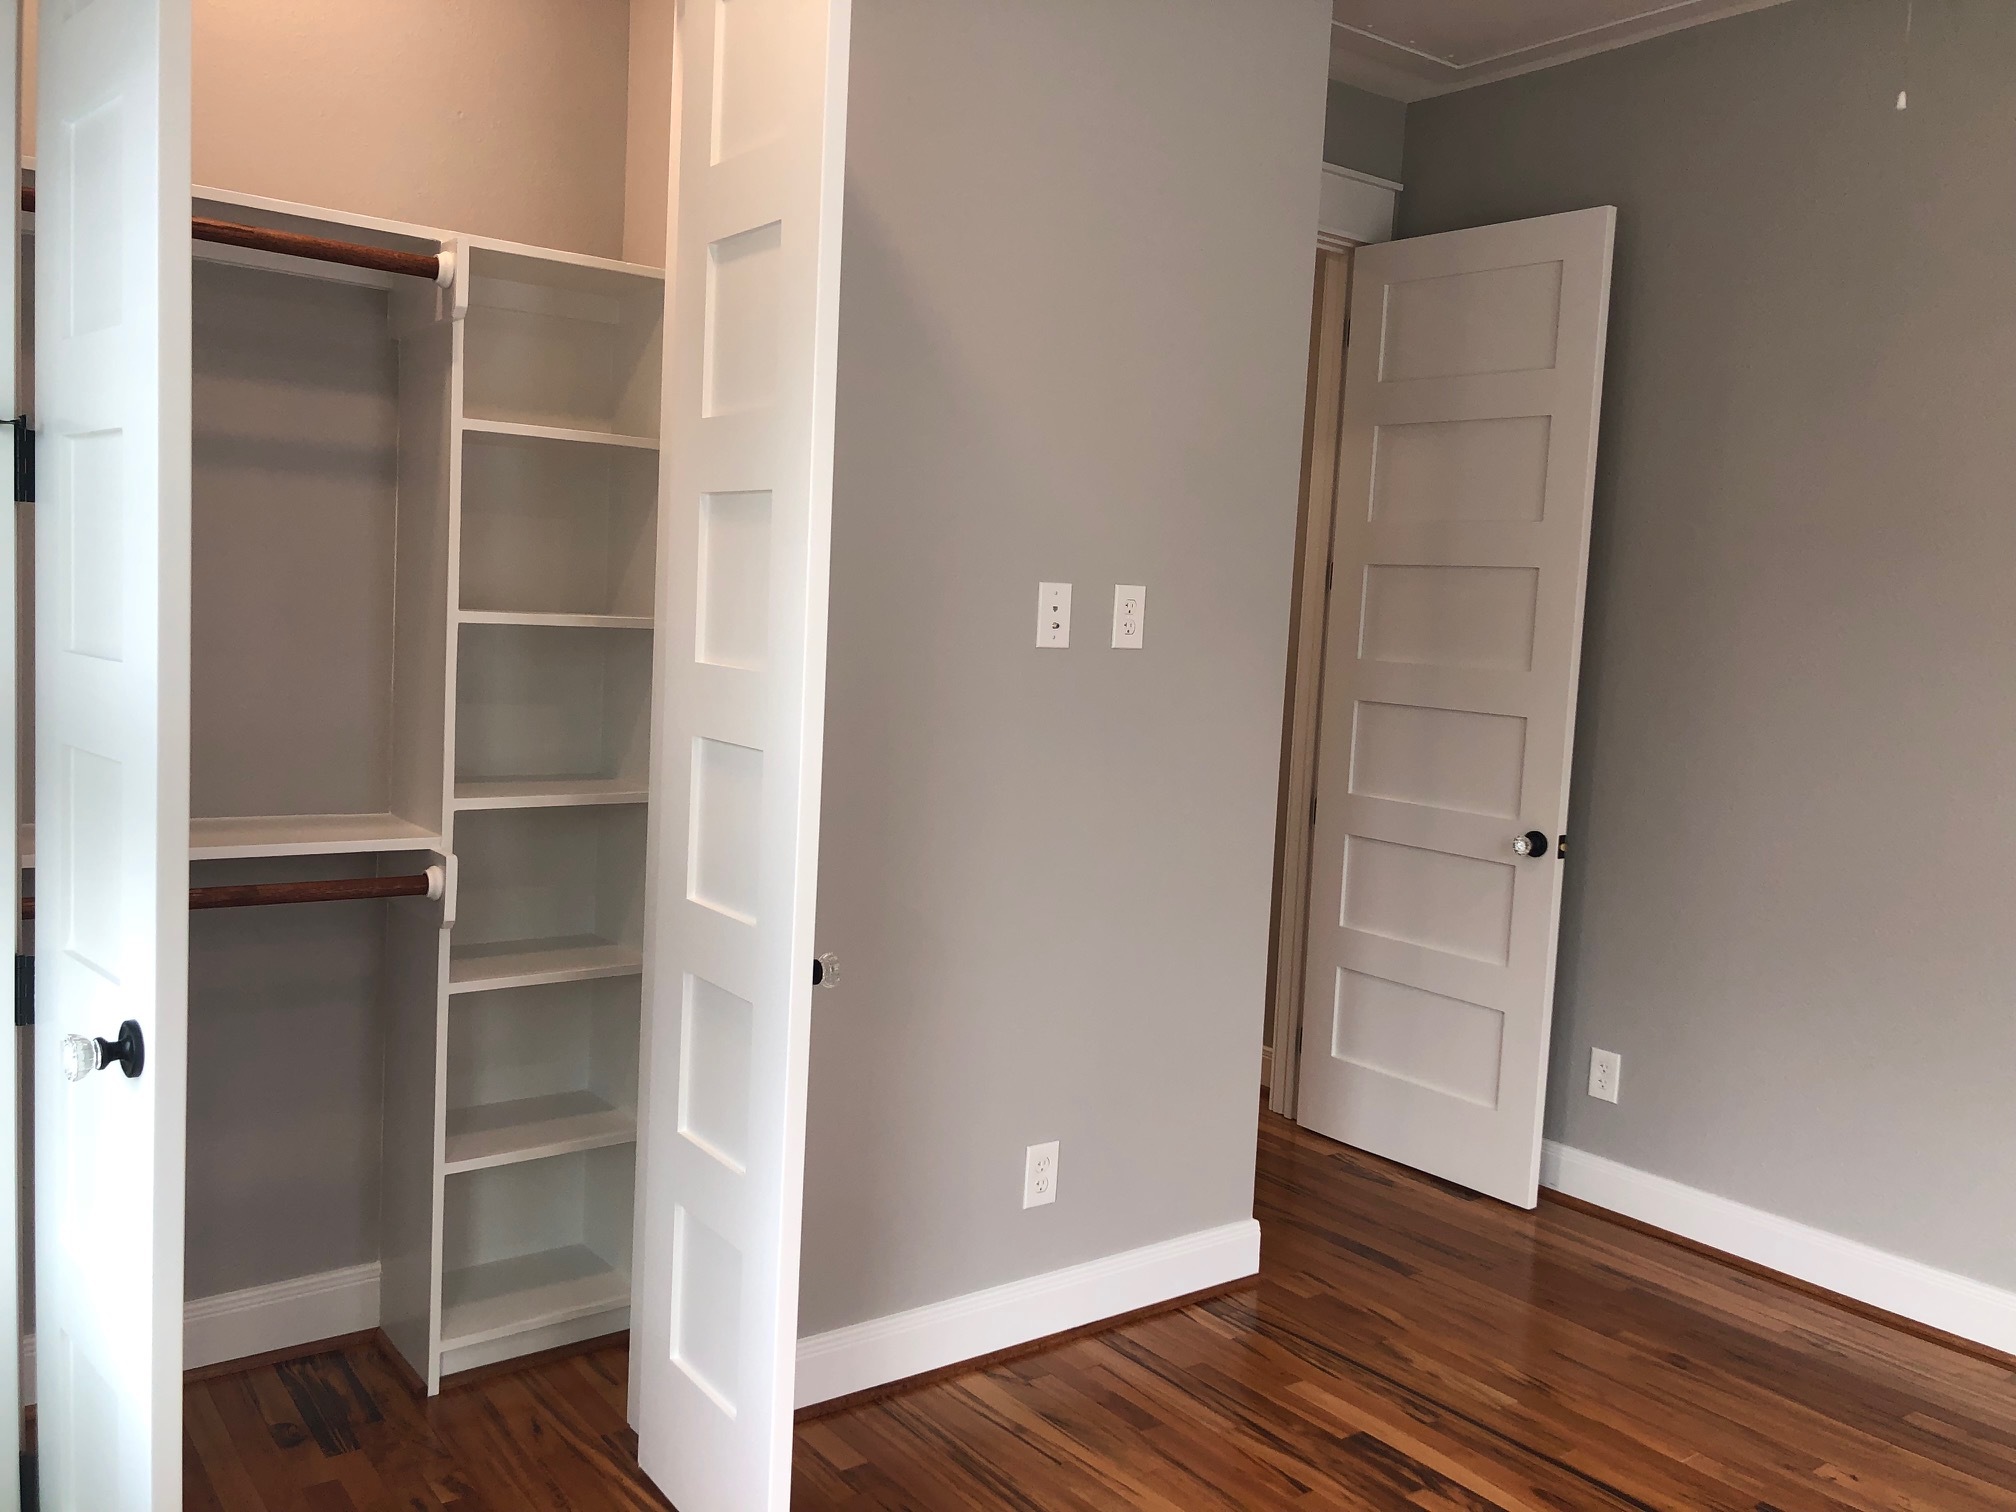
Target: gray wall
[[1074, 335], [1791, 893], [1364, 131]]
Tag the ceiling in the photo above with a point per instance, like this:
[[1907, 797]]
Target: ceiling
[[1411, 49]]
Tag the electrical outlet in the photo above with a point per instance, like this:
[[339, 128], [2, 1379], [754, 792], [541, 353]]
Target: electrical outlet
[[1039, 1175], [1129, 602], [1053, 615], [1606, 1067]]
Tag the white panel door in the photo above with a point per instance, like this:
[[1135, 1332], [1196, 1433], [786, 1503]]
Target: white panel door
[[1455, 629], [111, 745], [746, 511]]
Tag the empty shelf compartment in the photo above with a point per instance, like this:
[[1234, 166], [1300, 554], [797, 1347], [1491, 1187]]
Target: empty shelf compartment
[[497, 1298], [555, 527], [535, 1244], [540, 1071], [555, 343], [540, 703]]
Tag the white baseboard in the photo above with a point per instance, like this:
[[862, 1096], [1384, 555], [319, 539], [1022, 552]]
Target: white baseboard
[[1910, 1288], [233, 1325], [905, 1344]]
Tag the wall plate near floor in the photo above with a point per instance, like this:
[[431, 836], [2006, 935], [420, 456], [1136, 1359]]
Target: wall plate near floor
[[1039, 1175], [1606, 1068]]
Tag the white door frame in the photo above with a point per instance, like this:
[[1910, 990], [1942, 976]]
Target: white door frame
[[1315, 530]]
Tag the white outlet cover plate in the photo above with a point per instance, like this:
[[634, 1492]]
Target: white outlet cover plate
[[1053, 616], [1606, 1069], [1039, 1175], [1130, 606]]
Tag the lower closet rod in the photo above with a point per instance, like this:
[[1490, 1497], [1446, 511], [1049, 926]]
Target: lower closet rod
[[427, 884], [294, 244]]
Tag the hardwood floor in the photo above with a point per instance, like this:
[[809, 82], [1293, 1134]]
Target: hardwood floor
[[1406, 1346]]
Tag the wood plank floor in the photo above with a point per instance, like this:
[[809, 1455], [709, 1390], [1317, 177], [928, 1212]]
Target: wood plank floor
[[1406, 1346]]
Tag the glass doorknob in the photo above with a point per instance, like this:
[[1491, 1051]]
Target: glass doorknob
[[82, 1054], [1532, 843]]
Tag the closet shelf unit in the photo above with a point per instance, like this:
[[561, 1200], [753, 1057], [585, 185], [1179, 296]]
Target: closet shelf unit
[[500, 725]]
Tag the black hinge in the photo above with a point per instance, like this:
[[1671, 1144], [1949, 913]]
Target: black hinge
[[1329, 575], [31, 1482], [24, 460], [24, 991]]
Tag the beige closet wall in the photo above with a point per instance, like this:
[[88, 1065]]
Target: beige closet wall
[[506, 118], [1074, 335], [1791, 882]]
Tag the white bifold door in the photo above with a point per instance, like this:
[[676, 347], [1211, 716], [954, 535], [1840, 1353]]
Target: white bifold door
[[747, 508], [1455, 622], [112, 386]]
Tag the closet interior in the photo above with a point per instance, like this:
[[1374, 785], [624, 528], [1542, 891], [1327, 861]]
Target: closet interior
[[424, 577]]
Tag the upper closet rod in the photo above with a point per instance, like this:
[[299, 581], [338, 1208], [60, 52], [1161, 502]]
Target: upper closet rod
[[292, 244], [427, 884]]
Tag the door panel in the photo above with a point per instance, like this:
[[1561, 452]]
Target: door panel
[[1462, 542], [747, 506], [112, 744]]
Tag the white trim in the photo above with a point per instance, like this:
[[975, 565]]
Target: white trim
[[980, 1323], [1354, 208], [1365, 60], [1910, 1288], [235, 1325], [1391, 186]]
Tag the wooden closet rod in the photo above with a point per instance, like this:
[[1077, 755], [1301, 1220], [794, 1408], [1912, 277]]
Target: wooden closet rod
[[291, 243], [425, 884]]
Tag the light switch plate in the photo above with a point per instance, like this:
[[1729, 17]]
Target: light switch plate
[[1053, 615], [1130, 603]]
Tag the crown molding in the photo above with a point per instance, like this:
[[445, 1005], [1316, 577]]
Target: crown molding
[[1398, 72]]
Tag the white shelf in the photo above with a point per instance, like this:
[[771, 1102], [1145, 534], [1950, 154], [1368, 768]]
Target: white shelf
[[555, 621], [532, 1128], [503, 1297], [290, 835], [557, 433], [306, 835], [531, 963], [548, 792]]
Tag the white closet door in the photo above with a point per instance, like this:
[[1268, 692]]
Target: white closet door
[[1462, 541], [10, 820], [747, 507], [112, 745]]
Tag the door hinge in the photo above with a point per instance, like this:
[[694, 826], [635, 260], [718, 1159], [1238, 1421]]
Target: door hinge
[[24, 460], [24, 991], [1329, 575], [31, 1482]]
